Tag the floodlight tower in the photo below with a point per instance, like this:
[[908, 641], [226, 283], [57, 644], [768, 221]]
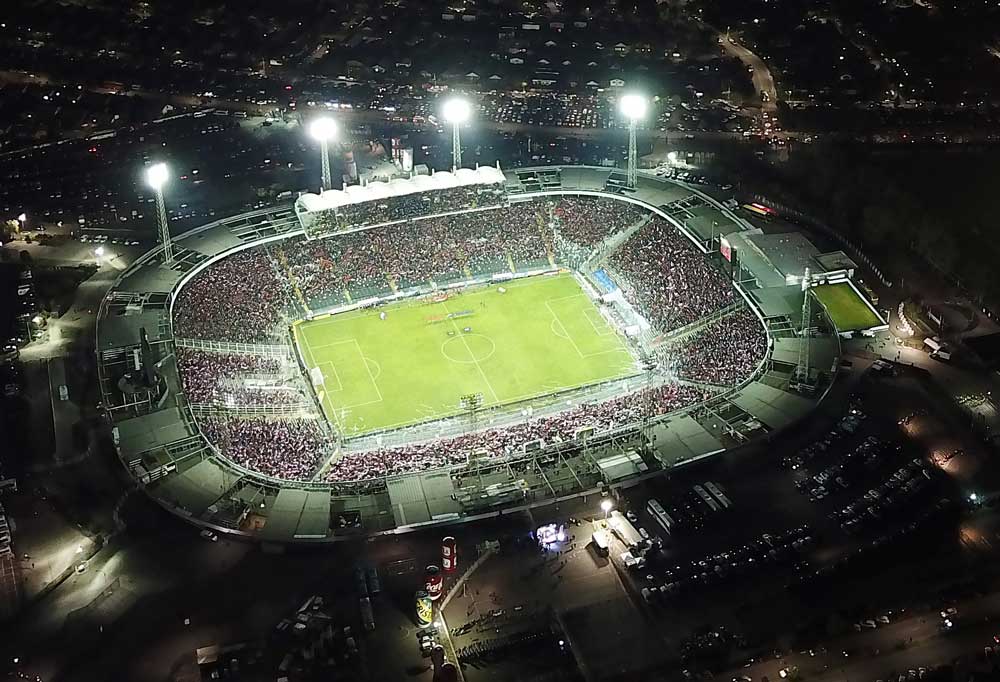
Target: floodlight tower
[[633, 107], [324, 129], [456, 111], [802, 369], [156, 177]]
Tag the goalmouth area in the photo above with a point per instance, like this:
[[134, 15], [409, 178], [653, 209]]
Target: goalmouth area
[[544, 334]]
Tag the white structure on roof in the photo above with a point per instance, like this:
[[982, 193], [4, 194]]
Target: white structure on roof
[[372, 191]]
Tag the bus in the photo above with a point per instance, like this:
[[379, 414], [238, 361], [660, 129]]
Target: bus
[[718, 494], [660, 515], [367, 615], [624, 529], [601, 542], [760, 210], [706, 498]]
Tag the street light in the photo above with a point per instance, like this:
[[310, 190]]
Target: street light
[[606, 507], [324, 129], [456, 111], [633, 107], [156, 177]]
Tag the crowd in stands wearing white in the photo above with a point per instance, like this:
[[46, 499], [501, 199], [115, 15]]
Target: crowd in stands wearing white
[[222, 378]]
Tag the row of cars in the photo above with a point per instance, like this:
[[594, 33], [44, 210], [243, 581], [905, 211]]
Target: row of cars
[[5, 549], [785, 548], [106, 239], [851, 466], [844, 428], [893, 494]]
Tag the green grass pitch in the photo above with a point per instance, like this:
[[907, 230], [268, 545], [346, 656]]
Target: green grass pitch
[[845, 307], [543, 335]]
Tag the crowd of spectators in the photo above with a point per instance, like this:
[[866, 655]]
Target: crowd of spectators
[[668, 278], [233, 380], [725, 353], [243, 297], [291, 449], [240, 298], [587, 221], [403, 207], [415, 252], [506, 441]]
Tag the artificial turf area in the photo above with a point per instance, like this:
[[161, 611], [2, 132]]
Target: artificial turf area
[[846, 309], [543, 335]]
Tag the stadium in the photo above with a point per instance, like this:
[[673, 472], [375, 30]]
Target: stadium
[[443, 347]]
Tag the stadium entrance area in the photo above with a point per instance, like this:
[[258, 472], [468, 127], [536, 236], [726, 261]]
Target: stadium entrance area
[[418, 360]]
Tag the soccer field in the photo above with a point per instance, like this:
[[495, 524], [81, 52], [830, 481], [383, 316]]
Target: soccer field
[[846, 309], [543, 335]]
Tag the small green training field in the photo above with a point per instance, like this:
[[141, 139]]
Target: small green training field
[[846, 307], [543, 335]]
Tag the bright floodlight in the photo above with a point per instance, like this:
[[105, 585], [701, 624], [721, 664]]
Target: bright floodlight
[[607, 505], [456, 110], [157, 175], [99, 251], [633, 106], [323, 128], [22, 217]]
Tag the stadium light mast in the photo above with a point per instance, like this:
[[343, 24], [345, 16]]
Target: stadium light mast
[[633, 107], [456, 111], [324, 129], [156, 177]]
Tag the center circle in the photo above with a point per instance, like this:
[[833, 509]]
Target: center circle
[[468, 348]]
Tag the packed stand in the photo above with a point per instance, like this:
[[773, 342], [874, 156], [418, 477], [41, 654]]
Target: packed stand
[[416, 252], [284, 448], [506, 441], [587, 221], [404, 207], [668, 278], [228, 379], [240, 298], [725, 353]]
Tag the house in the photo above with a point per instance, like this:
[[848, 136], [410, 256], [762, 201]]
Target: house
[[617, 83]]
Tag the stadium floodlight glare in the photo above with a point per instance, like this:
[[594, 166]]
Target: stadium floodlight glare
[[633, 107], [157, 175], [324, 129], [456, 111]]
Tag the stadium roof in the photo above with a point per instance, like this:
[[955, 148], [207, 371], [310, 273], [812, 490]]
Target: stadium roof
[[372, 191]]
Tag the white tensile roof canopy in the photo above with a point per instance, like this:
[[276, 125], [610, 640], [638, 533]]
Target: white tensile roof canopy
[[372, 191]]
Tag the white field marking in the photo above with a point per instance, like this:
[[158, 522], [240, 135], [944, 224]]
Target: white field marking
[[333, 373], [458, 330], [335, 343], [601, 327], [325, 401], [569, 336], [378, 367], [464, 336], [369, 370], [561, 334]]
